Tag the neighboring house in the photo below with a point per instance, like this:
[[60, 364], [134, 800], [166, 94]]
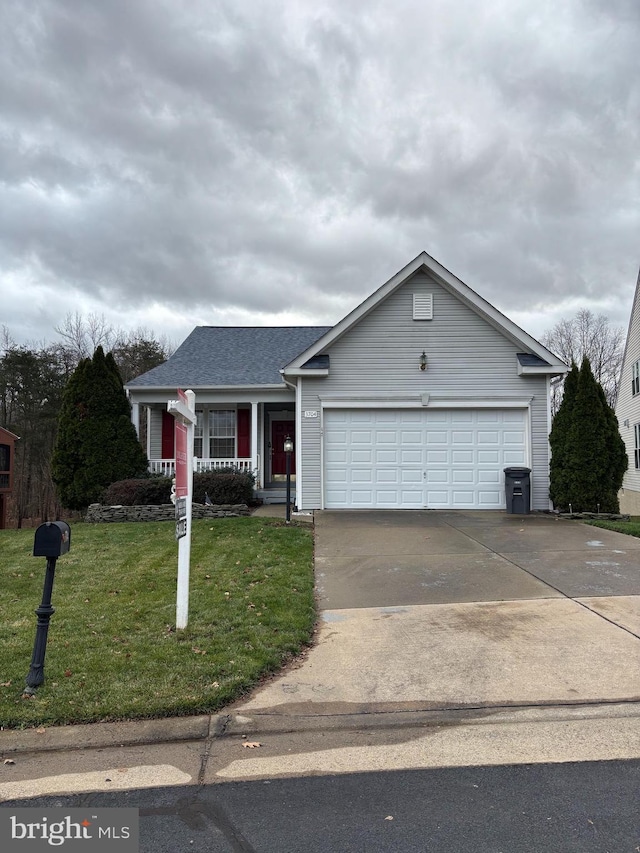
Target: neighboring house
[[628, 410], [7, 468], [419, 398]]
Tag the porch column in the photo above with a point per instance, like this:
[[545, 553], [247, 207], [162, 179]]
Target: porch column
[[148, 408], [135, 417], [254, 442]]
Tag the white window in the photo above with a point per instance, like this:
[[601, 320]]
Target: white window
[[635, 378], [636, 430], [198, 434], [222, 433]]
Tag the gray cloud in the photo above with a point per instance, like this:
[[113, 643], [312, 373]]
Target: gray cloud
[[250, 162]]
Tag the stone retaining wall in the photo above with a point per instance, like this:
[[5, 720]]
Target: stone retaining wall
[[99, 514]]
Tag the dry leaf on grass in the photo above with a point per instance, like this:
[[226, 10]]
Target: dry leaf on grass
[[251, 744]]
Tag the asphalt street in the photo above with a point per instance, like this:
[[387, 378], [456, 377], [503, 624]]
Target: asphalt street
[[562, 808]]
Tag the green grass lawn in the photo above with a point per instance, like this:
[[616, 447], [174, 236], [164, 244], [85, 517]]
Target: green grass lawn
[[631, 528], [113, 651]]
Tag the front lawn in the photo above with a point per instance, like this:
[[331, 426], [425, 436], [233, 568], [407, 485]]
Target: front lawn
[[113, 651], [631, 528]]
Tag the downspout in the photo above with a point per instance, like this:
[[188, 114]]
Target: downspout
[[298, 392]]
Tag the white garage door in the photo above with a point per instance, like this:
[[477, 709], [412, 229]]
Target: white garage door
[[417, 458]]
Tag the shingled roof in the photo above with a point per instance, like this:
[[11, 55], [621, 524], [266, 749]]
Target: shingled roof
[[214, 356]]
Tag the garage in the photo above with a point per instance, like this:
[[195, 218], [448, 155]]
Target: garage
[[432, 458]]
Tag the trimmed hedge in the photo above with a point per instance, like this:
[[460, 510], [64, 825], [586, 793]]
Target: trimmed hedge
[[154, 491], [223, 487]]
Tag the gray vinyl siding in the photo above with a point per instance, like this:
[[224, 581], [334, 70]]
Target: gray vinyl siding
[[628, 405], [467, 359]]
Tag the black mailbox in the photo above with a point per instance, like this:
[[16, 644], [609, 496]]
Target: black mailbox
[[52, 539]]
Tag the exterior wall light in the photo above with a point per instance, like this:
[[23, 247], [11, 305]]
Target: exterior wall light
[[423, 361]]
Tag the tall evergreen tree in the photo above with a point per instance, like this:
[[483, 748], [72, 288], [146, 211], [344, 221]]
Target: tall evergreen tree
[[97, 443], [587, 460], [591, 458], [559, 490], [618, 461]]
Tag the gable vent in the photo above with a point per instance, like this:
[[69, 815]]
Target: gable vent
[[423, 306]]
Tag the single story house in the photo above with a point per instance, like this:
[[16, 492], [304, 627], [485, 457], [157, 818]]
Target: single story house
[[628, 410], [417, 399]]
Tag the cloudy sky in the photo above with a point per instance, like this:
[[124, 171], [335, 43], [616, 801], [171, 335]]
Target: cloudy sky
[[169, 163]]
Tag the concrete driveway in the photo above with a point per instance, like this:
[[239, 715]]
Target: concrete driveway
[[454, 610]]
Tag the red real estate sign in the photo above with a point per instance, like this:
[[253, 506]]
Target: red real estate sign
[[182, 472]]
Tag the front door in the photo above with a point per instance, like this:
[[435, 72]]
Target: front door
[[279, 431]]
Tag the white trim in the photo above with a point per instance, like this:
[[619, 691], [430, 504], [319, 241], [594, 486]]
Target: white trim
[[322, 491], [148, 408], [135, 417], [549, 424], [537, 371], [310, 371], [298, 447], [433, 403], [455, 286], [255, 459], [171, 389], [529, 450]]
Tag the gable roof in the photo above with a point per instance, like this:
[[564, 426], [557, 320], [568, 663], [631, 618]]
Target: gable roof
[[455, 286], [223, 356]]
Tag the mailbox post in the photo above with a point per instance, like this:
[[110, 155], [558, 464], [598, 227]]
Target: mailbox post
[[51, 540]]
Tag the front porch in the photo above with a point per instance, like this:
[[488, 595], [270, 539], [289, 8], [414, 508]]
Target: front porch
[[246, 437], [275, 493], [167, 467]]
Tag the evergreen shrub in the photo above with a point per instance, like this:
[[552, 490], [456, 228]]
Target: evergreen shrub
[[226, 486], [154, 491]]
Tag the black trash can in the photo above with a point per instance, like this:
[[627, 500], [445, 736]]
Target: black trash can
[[517, 487]]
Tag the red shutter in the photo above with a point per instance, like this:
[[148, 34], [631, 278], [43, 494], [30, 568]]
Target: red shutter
[[244, 430], [168, 441]]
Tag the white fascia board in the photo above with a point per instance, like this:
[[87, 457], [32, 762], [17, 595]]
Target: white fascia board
[[424, 401], [312, 371], [171, 389], [541, 371], [496, 318]]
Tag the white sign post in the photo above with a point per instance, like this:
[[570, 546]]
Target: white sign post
[[183, 410]]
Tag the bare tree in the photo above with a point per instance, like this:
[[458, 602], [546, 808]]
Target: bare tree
[[82, 335], [593, 337]]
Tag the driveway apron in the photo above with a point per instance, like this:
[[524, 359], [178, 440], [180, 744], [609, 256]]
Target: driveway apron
[[445, 610]]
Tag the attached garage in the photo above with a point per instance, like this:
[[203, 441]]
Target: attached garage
[[421, 458]]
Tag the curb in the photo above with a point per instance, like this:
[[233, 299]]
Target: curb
[[208, 727]]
